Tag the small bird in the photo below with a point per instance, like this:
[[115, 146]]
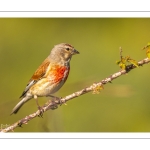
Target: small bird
[[50, 75]]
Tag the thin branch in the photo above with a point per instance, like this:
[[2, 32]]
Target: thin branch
[[53, 104], [121, 53]]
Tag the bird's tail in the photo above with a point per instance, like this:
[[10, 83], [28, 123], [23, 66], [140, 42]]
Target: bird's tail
[[20, 104]]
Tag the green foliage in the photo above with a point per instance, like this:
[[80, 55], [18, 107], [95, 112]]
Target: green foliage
[[147, 48], [125, 61]]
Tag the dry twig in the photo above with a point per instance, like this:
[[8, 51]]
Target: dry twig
[[53, 104]]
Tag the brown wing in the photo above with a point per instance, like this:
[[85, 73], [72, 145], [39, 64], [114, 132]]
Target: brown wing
[[39, 73]]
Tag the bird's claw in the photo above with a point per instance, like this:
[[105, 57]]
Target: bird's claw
[[19, 124], [41, 111], [54, 107], [62, 102]]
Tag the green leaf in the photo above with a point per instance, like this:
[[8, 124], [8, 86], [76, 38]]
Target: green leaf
[[147, 48], [118, 62], [148, 52], [134, 62]]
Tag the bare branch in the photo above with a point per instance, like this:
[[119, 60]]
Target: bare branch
[[53, 104], [120, 53]]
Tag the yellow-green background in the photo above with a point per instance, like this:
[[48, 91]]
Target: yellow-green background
[[123, 106]]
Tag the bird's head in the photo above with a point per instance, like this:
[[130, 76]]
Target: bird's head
[[63, 52]]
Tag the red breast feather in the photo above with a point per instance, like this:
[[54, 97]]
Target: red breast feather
[[59, 73]]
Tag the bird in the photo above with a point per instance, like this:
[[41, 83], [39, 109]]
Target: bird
[[50, 75]]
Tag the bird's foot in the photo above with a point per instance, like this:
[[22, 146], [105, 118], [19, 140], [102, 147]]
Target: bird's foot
[[57, 100], [54, 105], [41, 111], [61, 101], [19, 124]]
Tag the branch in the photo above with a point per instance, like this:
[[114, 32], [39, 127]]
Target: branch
[[95, 87]]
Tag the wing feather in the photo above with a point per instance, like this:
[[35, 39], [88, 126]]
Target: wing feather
[[39, 73]]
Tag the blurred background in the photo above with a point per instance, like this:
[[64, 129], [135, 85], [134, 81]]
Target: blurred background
[[123, 106]]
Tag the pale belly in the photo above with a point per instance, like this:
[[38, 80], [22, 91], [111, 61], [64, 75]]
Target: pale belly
[[45, 88]]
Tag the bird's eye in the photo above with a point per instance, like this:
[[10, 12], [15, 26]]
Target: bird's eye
[[67, 49]]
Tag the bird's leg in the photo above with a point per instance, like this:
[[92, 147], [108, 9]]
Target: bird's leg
[[35, 97], [52, 96], [39, 107], [57, 98]]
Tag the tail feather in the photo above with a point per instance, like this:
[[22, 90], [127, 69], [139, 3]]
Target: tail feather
[[19, 105]]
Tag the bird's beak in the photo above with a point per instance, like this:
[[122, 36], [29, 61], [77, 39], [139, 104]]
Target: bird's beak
[[75, 52]]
